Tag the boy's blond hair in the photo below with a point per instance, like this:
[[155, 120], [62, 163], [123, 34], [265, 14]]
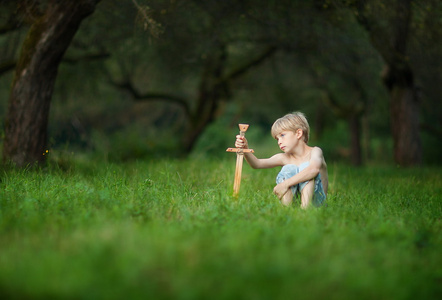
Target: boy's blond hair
[[292, 122]]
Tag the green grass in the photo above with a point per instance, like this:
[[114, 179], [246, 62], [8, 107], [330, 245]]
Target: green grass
[[171, 230]]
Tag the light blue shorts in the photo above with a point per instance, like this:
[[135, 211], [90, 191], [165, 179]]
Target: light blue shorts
[[288, 171]]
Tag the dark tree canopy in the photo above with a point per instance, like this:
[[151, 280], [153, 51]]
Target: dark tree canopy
[[177, 68]]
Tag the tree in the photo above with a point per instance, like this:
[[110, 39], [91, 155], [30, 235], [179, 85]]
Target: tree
[[213, 88], [51, 32], [208, 34], [389, 30], [343, 73], [351, 111]]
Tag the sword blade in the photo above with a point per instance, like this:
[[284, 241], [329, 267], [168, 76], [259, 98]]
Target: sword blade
[[238, 172]]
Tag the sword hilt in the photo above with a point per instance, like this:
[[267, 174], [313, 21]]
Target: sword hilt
[[242, 130]]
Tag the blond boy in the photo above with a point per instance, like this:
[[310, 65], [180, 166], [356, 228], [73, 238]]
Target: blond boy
[[304, 171]]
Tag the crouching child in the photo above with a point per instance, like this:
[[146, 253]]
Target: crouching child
[[304, 170]]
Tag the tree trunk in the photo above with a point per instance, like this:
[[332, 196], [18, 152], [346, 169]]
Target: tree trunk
[[28, 111], [404, 116], [191, 136], [391, 43], [404, 111], [204, 116]]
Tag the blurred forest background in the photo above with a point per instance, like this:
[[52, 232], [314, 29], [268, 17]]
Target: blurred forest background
[[143, 79]]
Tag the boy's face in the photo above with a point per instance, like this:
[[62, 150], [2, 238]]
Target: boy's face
[[288, 140]]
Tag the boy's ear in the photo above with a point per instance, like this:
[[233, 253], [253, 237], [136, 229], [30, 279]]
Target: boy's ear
[[299, 133]]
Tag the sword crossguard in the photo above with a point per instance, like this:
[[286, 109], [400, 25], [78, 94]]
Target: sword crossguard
[[240, 150]]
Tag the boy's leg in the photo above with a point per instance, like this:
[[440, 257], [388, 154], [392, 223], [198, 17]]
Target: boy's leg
[[287, 199], [286, 172], [307, 194]]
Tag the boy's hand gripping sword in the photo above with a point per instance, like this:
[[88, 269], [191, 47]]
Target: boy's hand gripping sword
[[239, 159]]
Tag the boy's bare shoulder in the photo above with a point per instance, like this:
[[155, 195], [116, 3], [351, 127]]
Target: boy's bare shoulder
[[317, 154], [317, 150]]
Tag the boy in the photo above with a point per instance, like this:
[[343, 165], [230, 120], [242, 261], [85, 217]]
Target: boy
[[304, 170]]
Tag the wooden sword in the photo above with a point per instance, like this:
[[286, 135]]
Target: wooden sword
[[239, 159]]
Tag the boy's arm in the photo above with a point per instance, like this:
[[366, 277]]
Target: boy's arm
[[253, 161], [264, 163], [310, 172]]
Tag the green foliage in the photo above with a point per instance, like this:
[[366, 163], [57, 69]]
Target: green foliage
[[221, 135], [170, 229], [321, 48], [132, 143]]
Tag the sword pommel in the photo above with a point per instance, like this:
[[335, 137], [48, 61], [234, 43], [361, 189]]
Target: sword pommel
[[243, 127]]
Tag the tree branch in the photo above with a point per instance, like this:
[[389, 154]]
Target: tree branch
[[244, 68], [137, 96], [86, 57]]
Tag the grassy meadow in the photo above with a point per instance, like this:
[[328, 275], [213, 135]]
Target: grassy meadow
[[170, 229]]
